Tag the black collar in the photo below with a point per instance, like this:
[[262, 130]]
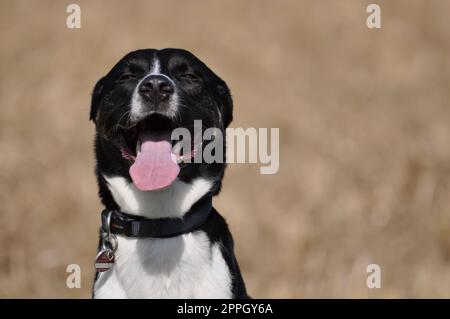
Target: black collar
[[136, 226]]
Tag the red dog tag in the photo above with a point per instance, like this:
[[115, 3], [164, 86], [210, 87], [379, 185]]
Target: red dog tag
[[104, 261]]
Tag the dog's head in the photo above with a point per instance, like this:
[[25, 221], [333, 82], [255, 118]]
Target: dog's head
[[137, 105]]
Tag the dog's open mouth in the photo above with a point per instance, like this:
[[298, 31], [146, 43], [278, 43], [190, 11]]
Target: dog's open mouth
[[148, 146]]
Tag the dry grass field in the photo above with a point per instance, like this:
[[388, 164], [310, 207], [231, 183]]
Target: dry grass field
[[364, 122]]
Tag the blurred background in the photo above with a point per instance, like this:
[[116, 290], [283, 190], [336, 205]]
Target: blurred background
[[364, 139]]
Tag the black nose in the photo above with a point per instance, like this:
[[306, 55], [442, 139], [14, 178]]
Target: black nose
[[156, 88]]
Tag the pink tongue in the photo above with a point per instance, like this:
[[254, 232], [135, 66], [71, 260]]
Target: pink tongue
[[155, 166]]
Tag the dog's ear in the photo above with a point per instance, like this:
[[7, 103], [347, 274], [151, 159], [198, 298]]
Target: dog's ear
[[225, 102], [95, 99]]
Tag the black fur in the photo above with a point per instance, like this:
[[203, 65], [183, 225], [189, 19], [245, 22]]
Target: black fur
[[203, 95]]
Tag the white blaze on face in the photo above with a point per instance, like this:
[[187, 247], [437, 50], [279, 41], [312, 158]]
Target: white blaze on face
[[137, 105]]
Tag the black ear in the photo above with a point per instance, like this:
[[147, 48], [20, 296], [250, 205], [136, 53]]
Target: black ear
[[95, 99], [225, 102]]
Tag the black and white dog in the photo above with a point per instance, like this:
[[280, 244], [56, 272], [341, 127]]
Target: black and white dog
[[163, 238]]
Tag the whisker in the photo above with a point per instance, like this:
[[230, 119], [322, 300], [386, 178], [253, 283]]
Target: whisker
[[117, 126]]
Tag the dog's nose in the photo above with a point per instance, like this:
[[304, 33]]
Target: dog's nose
[[156, 88]]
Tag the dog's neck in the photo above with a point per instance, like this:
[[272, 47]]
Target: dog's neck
[[173, 201]]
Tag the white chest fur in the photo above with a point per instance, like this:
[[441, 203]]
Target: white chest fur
[[186, 266], [181, 267]]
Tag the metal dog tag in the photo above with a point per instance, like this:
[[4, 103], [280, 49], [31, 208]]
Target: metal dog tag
[[104, 260], [105, 257]]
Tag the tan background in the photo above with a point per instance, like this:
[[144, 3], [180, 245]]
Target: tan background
[[364, 124]]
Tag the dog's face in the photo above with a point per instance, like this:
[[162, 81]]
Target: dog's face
[[136, 106]]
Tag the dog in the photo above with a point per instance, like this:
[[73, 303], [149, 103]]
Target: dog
[[160, 236]]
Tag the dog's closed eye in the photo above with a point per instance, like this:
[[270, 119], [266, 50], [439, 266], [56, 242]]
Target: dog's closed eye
[[126, 76], [189, 76]]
